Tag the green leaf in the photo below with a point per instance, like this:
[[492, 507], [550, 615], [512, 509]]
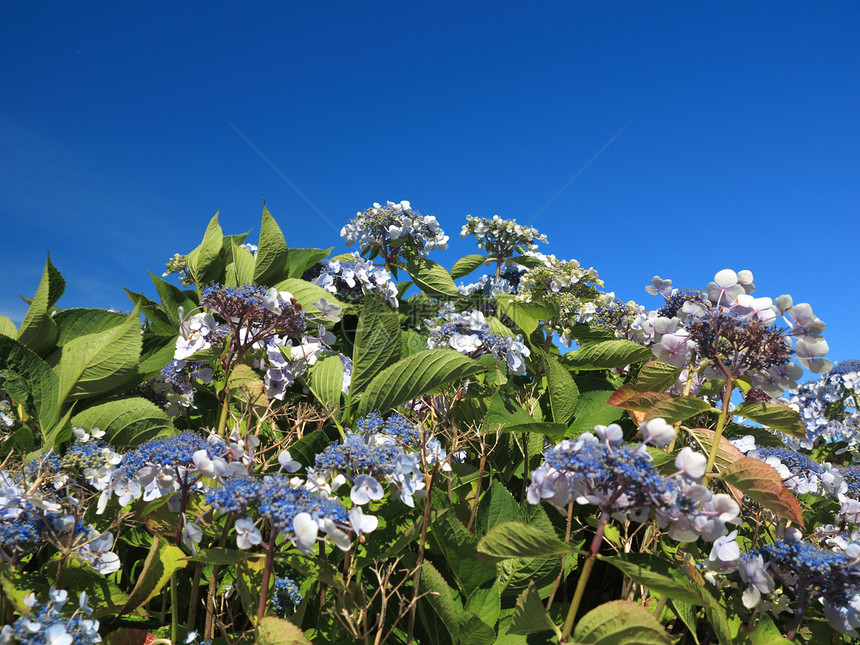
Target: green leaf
[[221, 556], [105, 597], [272, 252], [657, 575], [438, 595], [159, 565], [155, 353], [587, 334], [717, 617], [498, 328], [606, 354], [38, 330], [474, 631], [249, 576], [763, 484], [411, 342], [159, 321], [326, 381], [687, 613], [467, 264], [300, 260], [773, 415], [563, 393], [486, 603], [555, 432], [519, 540], [73, 323], [527, 315], [376, 342], [678, 408], [240, 269], [100, 363], [657, 376], [766, 633], [125, 422], [620, 622], [504, 411], [245, 385], [496, 506], [205, 262], [307, 292], [432, 278], [529, 614], [277, 631], [592, 409], [172, 298], [7, 327], [414, 375], [41, 381], [458, 546]]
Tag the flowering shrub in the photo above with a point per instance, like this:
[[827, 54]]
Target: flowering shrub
[[289, 447]]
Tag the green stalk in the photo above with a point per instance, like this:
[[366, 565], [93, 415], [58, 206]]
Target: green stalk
[[174, 608], [583, 576], [721, 424], [267, 573]]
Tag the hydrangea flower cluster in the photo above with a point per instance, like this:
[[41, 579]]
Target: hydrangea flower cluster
[[47, 625], [800, 474], [620, 478], [352, 279], [179, 264], [395, 426], [7, 415], [501, 237], [295, 511], [29, 517], [829, 407], [470, 334], [395, 230], [251, 313], [489, 286], [175, 385], [568, 285], [286, 596], [831, 577], [725, 324]]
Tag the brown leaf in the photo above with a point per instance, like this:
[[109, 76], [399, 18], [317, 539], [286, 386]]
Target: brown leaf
[[761, 483]]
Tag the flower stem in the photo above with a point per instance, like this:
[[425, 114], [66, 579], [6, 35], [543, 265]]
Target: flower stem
[[584, 574], [174, 608], [721, 424], [267, 574]]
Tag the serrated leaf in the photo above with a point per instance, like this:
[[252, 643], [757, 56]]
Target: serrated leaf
[[38, 331], [630, 397], [527, 315], [41, 381], [161, 562], [277, 631], [657, 376], [326, 381], [504, 411], [727, 454], [593, 409], [376, 342], [773, 415], [73, 323], [657, 575], [205, 262], [300, 260], [687, 613], [172, 298], [155, 353], [605, 355], [498, 328], [459, 549], [620, 622], [529, 615], [432, 278], [717, 617], [563, 393], [486, 603], [414, 375], [467, 264], [588, 334], [519, 540], [439, 597], [763, 484], [221, 556], [100, 363], [159, 321], [240, 268], [272, 252], [125, 422], [766, 633], [249, 576], [7, 327], [475, 631], [678, 408], [554, 432]]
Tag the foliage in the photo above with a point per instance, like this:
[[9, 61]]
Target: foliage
[[290, 447]]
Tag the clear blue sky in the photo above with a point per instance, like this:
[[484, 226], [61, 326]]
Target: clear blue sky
[[120, 135]]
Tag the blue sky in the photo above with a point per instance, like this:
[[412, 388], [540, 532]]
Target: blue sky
[[125, 126]]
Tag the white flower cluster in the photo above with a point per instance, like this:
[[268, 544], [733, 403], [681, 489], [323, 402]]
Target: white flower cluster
[[500, 237], [470, 334], [490, 286], [829, 407], [350, 279], [395, 229]]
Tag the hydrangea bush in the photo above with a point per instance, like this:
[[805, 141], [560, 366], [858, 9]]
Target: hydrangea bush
[[287, 447]]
